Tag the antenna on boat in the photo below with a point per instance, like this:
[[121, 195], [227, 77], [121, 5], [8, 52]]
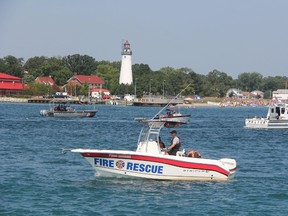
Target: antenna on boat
[[171, 100]]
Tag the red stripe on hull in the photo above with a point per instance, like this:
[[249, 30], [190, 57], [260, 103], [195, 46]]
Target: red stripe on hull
[[232, 170], [160, 160]]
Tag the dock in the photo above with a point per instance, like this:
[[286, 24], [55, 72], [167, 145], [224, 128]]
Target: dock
[[156, 102], [46, 100]]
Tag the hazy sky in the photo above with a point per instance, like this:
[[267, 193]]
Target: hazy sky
[[230, 36]]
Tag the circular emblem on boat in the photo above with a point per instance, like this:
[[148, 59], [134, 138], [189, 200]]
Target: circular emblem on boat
[[120, 164]]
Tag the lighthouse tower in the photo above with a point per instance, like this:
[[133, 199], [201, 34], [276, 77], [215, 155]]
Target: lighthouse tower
[[126, 65]]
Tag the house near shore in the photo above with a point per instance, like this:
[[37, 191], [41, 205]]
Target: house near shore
[[99, 92], [47, 81], [10, 84], [236, 93], [281, 94], [93, 81]]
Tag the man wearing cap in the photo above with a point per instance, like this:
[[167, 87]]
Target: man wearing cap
[[174, 144]]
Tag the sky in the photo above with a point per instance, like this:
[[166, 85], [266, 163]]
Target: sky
[[230, 36]]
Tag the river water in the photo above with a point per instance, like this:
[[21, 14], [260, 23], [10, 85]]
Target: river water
[[37, 179]]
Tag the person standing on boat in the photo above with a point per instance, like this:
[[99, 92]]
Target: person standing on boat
[[161, 143], [175, 144]]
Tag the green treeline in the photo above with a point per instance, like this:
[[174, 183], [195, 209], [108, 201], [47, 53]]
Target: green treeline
[[171, 80]]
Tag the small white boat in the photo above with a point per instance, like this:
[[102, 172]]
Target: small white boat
[[64, 110], [172, 117], [277, 117], [149, 161]]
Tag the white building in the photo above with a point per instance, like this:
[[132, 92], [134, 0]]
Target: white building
[[126, 65], [99, 92], [281, 94]]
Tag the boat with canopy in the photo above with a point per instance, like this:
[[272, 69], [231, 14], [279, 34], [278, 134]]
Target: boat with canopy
[[150, 161]]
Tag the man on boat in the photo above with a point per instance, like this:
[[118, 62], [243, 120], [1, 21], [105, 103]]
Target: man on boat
[[175, 144]]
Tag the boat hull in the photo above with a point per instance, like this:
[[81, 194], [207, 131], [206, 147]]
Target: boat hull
[[68, 114], [159, 167], [266, 123], [181, 119]]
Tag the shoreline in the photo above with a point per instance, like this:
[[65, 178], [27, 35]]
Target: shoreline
[[192, 105], [13, 100]]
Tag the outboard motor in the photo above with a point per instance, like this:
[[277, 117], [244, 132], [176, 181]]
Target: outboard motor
[[44, 112]]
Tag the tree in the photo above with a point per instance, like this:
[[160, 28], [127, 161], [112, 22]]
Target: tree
[[84, 89], [109, 72], [3, 66], [28, 79], [140, 69], [274, 83], [61, 75], [33, 65], [38, 89], [217, 84], [81, 64], [42, 66], [12, 65], [126, 89], [250, 81], [51, 65], [198, 82]]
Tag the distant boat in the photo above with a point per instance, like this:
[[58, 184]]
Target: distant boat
[[173, 117], [277, 117], [62, 109]]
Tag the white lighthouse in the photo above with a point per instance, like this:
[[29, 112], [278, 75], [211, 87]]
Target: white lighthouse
[[126, 65]]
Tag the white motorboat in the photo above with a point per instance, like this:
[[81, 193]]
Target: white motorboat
[[64, 110], [277, 117], [150, 161], [173, 116]]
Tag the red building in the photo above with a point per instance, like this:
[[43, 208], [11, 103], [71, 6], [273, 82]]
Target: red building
[[93, 81], [10, 84], [47, 81]]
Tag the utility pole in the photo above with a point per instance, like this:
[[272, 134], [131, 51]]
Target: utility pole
[[150, 87], [135, 90], [163, 88]]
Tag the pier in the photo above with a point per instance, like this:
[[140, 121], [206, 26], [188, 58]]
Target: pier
[[156, 101], [44, 100]]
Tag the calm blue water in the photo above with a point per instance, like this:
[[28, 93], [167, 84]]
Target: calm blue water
[[37, 179]]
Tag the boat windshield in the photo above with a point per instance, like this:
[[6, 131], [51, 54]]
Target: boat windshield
[[144, 134], [150, 131]]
